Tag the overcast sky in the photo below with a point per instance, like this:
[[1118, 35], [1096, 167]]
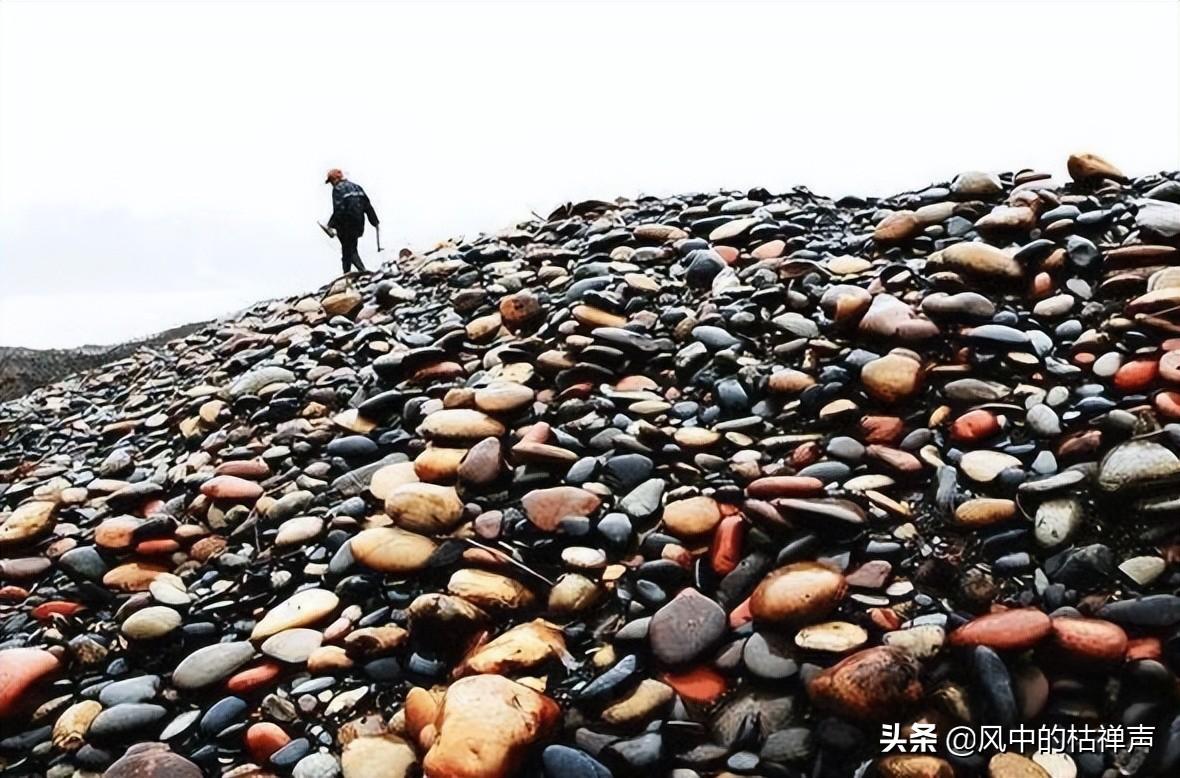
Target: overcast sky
[[163, 162]]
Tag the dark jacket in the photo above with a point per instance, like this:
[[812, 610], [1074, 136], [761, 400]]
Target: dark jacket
[[350, 206]]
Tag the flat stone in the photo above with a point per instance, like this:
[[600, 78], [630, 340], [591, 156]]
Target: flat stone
[[20, 670], [151, 623], [686, 627], [211, 664], [392, 550], [545, 508], [27, 523], [429, 509], [299, 610]]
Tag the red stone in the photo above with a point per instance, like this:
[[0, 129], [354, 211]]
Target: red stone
[[47, 610], [13, 594], [700, 684], [263, 739], [726, 551], [1168, 404], [157, 547], [1014, 630], [1144, 648], [784, 486], [885, 618], [1137, 375], [1090, 639], [20, 668], [974, 426], [253, 677], [882, 429]]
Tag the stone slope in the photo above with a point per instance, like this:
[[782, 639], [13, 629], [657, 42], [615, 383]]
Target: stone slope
[[703, 485], [24, 369]]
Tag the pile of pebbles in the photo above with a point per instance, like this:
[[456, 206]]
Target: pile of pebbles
[[704, 485]]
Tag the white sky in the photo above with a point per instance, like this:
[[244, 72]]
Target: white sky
[[163, 162]]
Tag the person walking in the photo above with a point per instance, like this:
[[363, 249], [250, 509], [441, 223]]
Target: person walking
[[350, 206]]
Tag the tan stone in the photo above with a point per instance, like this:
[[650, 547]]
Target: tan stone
[[485, 727], [523, 647], [1084, 167], [392, 550], [390, 477], [428, 509], [28, 522], [69, 731], [460, 424], [299, 610], [647, 699], [490, 591], [892, 378], [438, 464], [798, 593], [385, 756], [692, 517]]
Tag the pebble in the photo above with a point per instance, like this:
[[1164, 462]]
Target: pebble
[[606, 492], [211, 664], [686, 627]]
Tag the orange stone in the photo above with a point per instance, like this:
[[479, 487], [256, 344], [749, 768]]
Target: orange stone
[[115, 533], [974, 426], [1013, 630], [1168, 404], [20, 668], [1136, 375], [882, 429], [13, 593], [230, 487], [253, 677], [205, 548], [132, 577], [1041, 285], [1144, 648], [798, 593], [1090, 639], [700, 684], [806, 454], [885, 618], [877, 683], [157, 547], [46, 610], [784, 486], [726, 550], [263, 739]]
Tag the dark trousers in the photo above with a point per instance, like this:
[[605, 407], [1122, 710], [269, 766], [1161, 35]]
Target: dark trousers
[[349, 257]]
